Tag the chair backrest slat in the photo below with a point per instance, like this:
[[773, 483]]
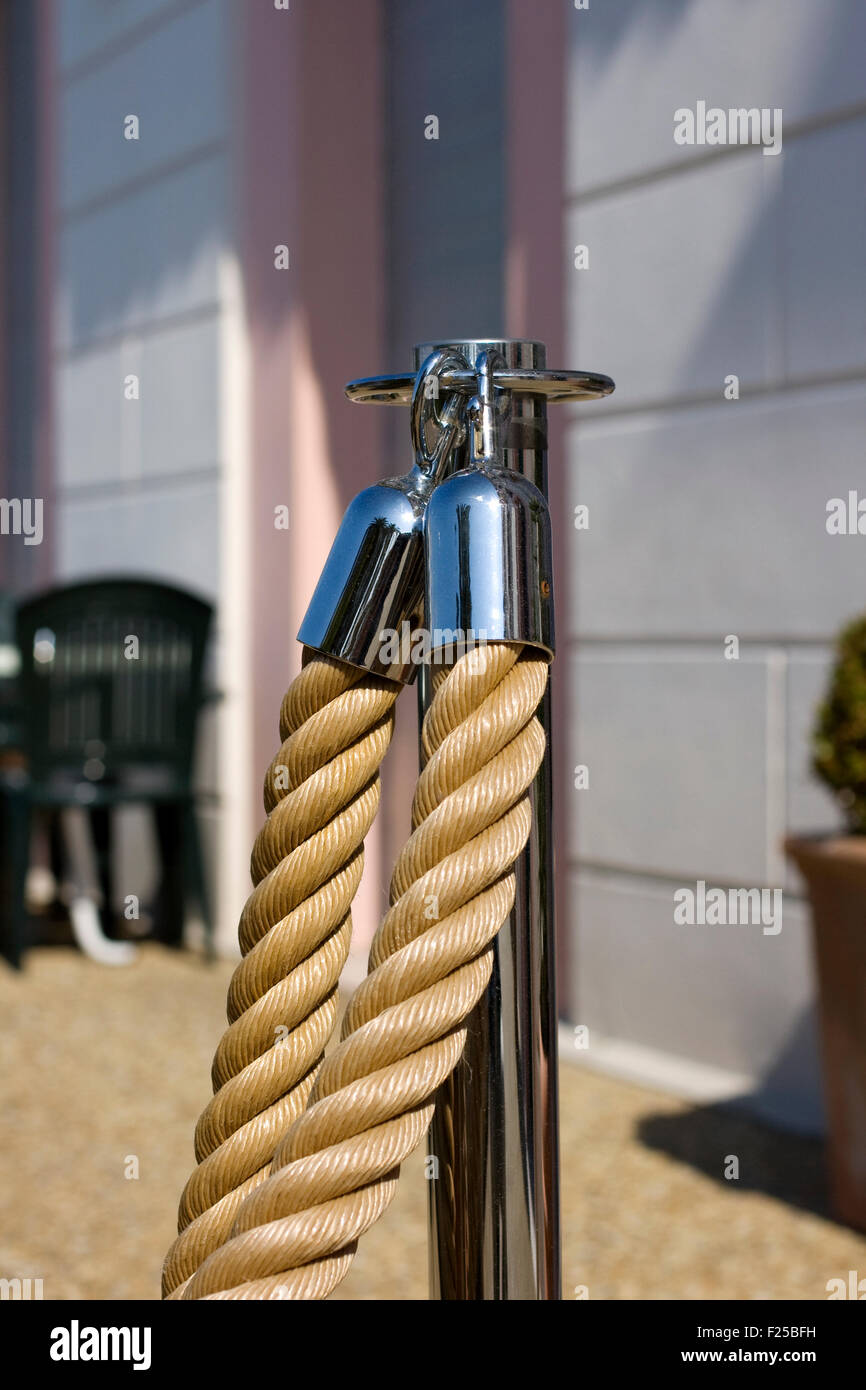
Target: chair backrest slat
[[91, 700]]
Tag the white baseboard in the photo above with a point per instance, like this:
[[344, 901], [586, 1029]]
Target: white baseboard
[[659, 1071]]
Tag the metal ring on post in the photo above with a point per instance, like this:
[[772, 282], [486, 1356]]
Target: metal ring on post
[[430, 461], [555, 386]]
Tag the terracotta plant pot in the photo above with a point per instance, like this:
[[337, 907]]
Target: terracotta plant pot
[[835, 871]]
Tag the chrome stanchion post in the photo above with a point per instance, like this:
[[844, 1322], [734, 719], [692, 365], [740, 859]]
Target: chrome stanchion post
[[494, 1175], [493, 1196]]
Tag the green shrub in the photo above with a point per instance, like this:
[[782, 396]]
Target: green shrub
[[839, 740]]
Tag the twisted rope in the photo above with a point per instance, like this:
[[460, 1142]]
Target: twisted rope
[[336, 1169], [321, 794]]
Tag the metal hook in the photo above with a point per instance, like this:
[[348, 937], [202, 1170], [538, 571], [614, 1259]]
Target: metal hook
[[449, 420], [489, 411]]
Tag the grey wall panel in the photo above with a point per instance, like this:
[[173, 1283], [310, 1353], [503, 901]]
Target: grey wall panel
[[172, 427], [681, 287], [822, 236], [678, 747], [713, 519], [173, 80], [634, 62], [642, 978], [87, 28], [707, 516], [170, 534], [445, 197], [147, 256]]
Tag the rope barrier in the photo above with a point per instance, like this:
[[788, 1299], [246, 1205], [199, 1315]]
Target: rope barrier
[[298, 1156], [321, 795]]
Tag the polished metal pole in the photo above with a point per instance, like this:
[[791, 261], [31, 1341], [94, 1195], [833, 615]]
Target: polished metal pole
[[494, 1186]]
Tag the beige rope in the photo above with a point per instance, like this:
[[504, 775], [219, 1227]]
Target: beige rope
[[335, 1171], [321, 793]]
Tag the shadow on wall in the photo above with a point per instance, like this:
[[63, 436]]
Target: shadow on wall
[[790, 1091], [732, 263]]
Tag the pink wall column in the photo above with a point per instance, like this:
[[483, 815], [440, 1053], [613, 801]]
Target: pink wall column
[[535, 36], [310, 177]]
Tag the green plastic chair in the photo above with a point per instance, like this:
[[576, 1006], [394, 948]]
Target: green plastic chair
[[110, 688]]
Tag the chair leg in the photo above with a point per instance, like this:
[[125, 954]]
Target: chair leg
[[103, 840], [56, 852], [199, 876], [16, 811], [170, 905], [84, 891]]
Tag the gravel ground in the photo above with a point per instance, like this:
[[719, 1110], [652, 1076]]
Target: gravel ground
[[103, 1073]]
